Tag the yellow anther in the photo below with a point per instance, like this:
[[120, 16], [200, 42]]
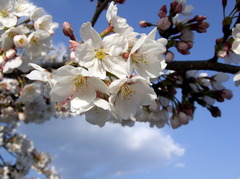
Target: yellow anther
[[80, 82], [142, 58], [102, 54], [4, 13], [126, 91]]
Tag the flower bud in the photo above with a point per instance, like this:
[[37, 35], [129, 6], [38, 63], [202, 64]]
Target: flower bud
[[227, 94], [215, 111], [186, 35], [224, 3], [169, 56], [73, 44], [199, 18], [175, 123], [163, 11], [200, 26], [181, 45], [163, 23], [183, 118], [68, 31], [176, 8], [144, 24]]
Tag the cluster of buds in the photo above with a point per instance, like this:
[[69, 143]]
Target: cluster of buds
[[201, 89], [179, 32]]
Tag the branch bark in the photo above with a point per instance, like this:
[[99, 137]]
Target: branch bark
[[182, 66], [179, 66]]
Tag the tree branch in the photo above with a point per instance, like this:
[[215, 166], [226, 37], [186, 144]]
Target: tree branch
[[182, 66], [98, 11]]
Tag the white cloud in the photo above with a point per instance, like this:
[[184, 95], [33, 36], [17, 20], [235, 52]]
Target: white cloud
[[87, 151]]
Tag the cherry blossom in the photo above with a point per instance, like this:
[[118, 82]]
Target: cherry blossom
[[146, 56], [79, 85], [125, 96], [101, 55]]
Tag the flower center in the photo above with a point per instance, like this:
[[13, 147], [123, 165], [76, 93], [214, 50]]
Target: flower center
[[34, 40], [4, 13], [140, 58], [127, 91], [80, 82], [102, 54]]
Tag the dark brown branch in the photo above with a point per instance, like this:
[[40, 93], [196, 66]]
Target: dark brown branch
[[98, 11], [182, 66], [179, 66]]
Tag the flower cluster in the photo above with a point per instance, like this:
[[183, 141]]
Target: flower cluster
[[27, 157], [197, 88], [25, 34], [111, 78]]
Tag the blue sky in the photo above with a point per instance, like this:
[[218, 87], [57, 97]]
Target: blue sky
[[206, 148]]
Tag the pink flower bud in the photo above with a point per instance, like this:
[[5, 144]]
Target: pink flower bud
[[183, 118], [186, 35], [144, 24], [163, 23], [202, 26], [163, 11], [68, 31], [175, 123], [227, 94], [181, 45], [169, 56], [200, 18], [176, 8], [73, 44]]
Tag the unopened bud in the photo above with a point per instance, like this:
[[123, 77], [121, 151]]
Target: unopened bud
[[215, 111], [227, 94], [200, 27], [200, 18], [175, 123], [73, 44], [224, 3], [144, 24], [186, 35], [183, 118], [163, 23], [68, 31], [163, 11], [176, 8], [169, 56]]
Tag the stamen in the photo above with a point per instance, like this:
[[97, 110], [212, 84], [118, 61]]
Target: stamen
[[102, 54], [4, 13], [80, 83], [127, 91], [142, 58]]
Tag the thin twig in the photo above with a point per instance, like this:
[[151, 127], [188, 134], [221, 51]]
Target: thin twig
[[98, 11]]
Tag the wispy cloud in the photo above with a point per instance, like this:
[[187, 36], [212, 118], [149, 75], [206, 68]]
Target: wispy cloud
[[87, 151]]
